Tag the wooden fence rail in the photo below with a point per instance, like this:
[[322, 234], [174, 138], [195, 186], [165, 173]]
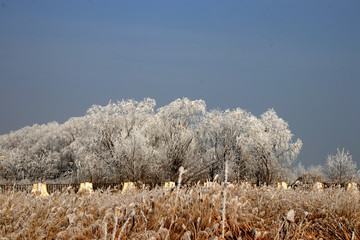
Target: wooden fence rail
[[16, 187], [51, 188]]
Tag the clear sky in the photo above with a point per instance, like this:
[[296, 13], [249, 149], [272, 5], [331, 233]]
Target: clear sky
[[300, 57]]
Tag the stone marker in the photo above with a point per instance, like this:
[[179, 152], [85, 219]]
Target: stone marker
[[169, 186], [128, 186], [352, 188], [40, 189], [86, 187], [281, 185], [318, 187]]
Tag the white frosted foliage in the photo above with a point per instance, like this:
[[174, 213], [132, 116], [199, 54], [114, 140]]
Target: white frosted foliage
[[131, 141]]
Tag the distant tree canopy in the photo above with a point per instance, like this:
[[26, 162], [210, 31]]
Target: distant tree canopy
[[340, 168], [131, 141]]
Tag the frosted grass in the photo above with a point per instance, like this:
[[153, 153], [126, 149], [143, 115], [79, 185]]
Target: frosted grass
[[251, 213]]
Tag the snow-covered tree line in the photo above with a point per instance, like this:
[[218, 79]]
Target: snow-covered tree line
[[132, 141]]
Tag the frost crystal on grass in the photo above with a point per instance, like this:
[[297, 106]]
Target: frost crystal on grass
[[290, 216]]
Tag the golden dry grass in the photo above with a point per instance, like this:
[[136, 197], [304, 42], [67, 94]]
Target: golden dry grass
[[251, 213]]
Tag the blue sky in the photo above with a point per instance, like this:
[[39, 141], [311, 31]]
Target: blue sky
[[300, 57]]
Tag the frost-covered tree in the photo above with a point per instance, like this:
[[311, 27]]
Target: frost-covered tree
[[35, 153], [340, 168], [316, 170], [221, 132], [298, 171], [114, 142], [175, 134], [259, 148], [271, 147]]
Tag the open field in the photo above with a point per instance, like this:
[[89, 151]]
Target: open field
[[251, 213]]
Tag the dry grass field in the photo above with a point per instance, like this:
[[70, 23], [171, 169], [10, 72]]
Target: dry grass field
[[251, 213]]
